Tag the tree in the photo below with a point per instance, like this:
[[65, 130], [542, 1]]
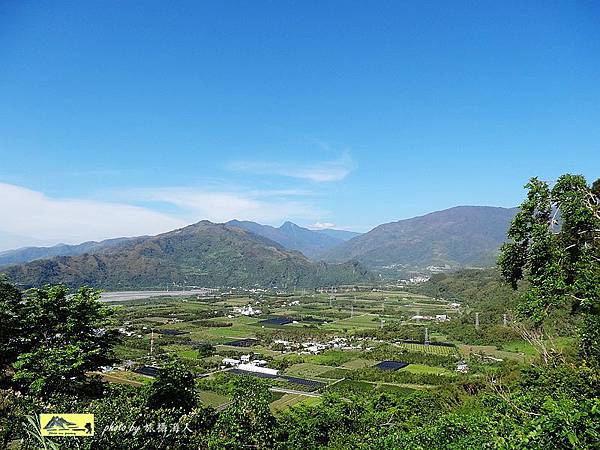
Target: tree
[[555, 246], [55, 338], [174, 387], [248, 421], [11, 315]]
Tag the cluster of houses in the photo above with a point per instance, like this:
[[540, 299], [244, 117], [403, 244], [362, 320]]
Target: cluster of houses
[[248, 364], [247, 311], [437, 318], [417, 279], [314, 348]]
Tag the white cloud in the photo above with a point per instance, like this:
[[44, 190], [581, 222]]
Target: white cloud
[[29, 214], [324, 171], [271, 207], [322, 225], [33, 218]]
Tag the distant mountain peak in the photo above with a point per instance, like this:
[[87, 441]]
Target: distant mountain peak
[[288, 224], [293, 237]]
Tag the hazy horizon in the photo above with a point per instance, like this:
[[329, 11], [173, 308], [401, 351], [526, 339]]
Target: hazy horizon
[[323, 227]]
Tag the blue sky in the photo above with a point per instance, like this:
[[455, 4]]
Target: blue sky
[[123, 118]]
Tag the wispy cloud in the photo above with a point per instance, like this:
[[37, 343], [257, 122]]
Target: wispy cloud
[[38, 219], [322, 225], [270, 207], [42, 219], [323, 171]]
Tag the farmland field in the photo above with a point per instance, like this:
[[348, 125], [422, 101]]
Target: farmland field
[[356, 330]]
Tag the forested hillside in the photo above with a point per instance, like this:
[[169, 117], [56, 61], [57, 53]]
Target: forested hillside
[[204, 254], [458, 237]]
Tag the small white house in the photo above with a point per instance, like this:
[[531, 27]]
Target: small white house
[[230, 362]]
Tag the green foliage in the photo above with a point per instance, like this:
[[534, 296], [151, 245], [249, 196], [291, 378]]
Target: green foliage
[[58, 336], [122, 422], [45, 369], [400, 376], [174, 387], [12, 312], [204, 349], [248, 421], [483, 291], [560, 263]]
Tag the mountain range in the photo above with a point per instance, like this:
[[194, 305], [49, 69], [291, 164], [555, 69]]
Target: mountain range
[[203, 254], [26, 254], [312, 243], [242, 253]]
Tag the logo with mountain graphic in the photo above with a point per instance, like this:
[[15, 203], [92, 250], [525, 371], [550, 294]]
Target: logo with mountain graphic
[[67, 424]]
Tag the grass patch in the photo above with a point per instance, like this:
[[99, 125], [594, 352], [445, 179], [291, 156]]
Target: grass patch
[[358, 363], [332, 357], [213, 399], [337, 373], [307, 370]]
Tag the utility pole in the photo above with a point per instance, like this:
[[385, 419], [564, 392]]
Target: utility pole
[[381, 324], [426, 336], [476, 320], [151, 341], [504, 320]]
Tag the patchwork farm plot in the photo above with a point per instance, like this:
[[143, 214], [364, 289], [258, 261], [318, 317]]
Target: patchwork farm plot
[[304, 344]]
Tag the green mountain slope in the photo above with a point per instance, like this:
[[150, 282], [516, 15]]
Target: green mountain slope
[[203, 254], [460, 236]]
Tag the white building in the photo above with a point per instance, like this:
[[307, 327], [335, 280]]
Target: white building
[[419, 317], [247, 311], [230, 362], [257, 369]]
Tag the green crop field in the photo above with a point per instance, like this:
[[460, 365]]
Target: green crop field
[[421, 368], [358, 363], [308, 370], [432, 349]]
